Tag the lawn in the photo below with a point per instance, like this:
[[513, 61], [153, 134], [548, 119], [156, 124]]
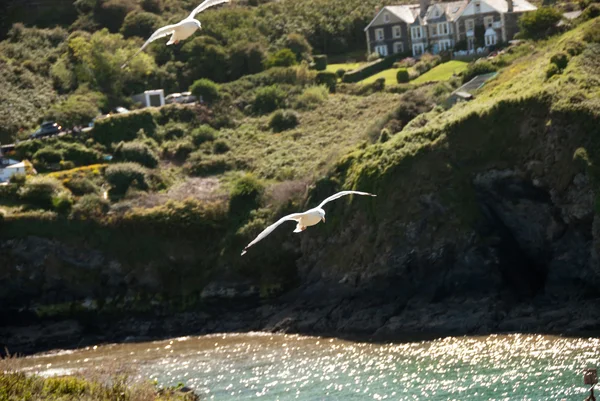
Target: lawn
[[344, 66], [389, 75], [442, 72]]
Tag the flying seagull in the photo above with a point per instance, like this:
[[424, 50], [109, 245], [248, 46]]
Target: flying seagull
[[309, 218], [181, 30]]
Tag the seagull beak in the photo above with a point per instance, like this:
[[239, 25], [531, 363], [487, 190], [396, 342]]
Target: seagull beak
[[323, 219]]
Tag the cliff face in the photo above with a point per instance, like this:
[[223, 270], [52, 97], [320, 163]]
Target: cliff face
[[486, 220]]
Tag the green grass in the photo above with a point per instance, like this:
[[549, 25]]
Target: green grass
[[442, 72], [344, 66], [389, 75]]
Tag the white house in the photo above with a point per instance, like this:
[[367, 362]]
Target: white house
[[9, 167]]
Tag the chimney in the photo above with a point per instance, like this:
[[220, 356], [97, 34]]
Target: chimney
[[510, 6], [424, 5]]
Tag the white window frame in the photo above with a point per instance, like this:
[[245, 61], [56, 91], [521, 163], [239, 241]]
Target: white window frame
[[397, 31], [445, 45], [488, 22], [398, 47], [491, 40], [382, 50], [469, 22], [420, 46], [443, 29], [418, 31], [379, 31], [386, 17], [433, 31]]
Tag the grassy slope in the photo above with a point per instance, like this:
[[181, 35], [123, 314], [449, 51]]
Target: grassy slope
[[509, 124], [345, 66], [442, 72]]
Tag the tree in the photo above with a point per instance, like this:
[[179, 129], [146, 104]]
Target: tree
[[540, 23], [140, 23], [281, 58], [402, 76], [299, 46], [205, 58], [268, 99], [246, 58], [77, 109], [206, 90]]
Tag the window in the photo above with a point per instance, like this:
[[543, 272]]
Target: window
[[398, 47], [416, 32], [469, 25], [477, 7], [379, 34], [397, 31], [443, 28], [418, 49], [433, 30], [382, 50], [445, 45], [386, 17], [488, 21]]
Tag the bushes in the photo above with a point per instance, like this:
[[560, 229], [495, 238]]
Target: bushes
[[561, 60], [204, 133], [311, 97], [552, 70], [328, 79], [477, 68], [574, 47], [136, 152], [402, 76], [340, 73], [47, 155], [220, 146], [202, 165], [124, 175], [140, 23], [370, 69], [177, 150], [206, 90], [77, 109], [123, 127], [245, 196], [283, 120], [281, 58], [320, 62], [268, 99], [90, 206], [592, 33], [538, 24], [81, 186], [246, 58], [299, 46], [40, 191]]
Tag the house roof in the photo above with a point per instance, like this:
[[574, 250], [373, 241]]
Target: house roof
[[519, 6], [450, 10]]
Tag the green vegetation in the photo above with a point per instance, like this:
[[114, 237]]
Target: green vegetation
[[344, 66], [283, 120], [539, 23], [402, 76], [206, 90], [442, 72]]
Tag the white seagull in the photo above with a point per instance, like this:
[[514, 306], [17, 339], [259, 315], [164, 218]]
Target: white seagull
[[309, 218], [181, 30]]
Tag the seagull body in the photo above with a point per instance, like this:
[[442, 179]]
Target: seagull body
[[181, 30], [306, 219]]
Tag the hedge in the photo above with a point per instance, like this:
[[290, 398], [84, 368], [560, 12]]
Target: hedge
[[371, 68], [123, 127]]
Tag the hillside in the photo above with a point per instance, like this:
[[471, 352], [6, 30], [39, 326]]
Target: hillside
[[485, 219]]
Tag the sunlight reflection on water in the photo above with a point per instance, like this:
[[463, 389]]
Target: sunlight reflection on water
[[284, 367]]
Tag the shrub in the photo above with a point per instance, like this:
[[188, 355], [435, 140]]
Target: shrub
[[384, 136], [206, 90], [80, 155], [81, 186], [204, 133], [140, 23], [246, 58], [122, 176], [552, 70], [328, 79], [48, 155], [574, 47], [136, 152], [311, 97], [77, 109], [590, 12], [153, 6], [539, 23], [112, 13], [18, 179], [177, 150], [402, 76], [283, 120], [592, 33], [172, 130], [379, 84], [320, 62], [245, 195], [220, 146], [560, 60], [62, 203], [477, 68], [199, 164], [268, 99], [90, 206], [340, 73], [40, 191], [123, 127], [281, 58]]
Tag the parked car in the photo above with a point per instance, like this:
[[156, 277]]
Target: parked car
[[188, 97], [173, 98], [47, 128]]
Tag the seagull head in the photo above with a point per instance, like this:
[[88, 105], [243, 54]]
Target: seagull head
[[322, 214], [198, 24]]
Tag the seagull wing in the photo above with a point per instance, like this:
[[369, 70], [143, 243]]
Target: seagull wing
[[205, 4], [159, 33], [269, 230], [343, 193]]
